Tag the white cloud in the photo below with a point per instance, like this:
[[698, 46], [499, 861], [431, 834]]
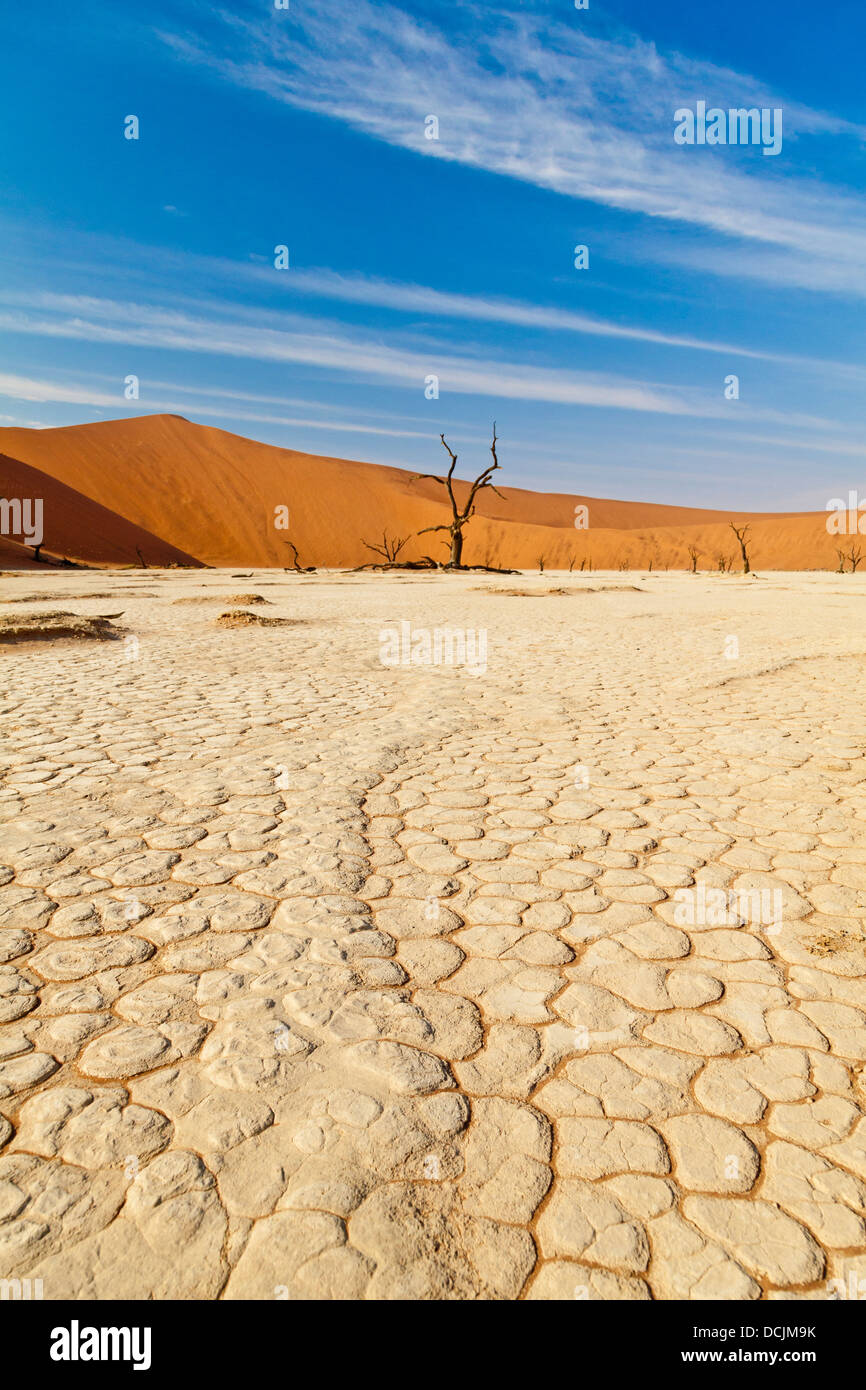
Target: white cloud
[[316, 344], [159, 271], [21, 388], [422, 299], [309, 344], [552, 105]]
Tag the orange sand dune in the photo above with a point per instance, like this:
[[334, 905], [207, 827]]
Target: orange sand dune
[[76, 526], [214, 495]]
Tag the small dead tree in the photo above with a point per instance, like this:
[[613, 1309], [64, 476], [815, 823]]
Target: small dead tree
[[541, 564], [855, 557], [694, 556], [296, 560], [742, 534], [723, 562], [390, 547], [841, 569], [459, 517], [141, 558]]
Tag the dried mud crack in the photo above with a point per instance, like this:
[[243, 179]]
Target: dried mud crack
[[321, 978]]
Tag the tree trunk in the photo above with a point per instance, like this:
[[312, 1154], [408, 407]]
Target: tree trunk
[[456, 546]]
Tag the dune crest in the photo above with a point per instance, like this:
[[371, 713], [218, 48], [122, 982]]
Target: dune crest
[[183, 492]]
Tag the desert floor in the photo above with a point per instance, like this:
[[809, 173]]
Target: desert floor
[[330, 979]]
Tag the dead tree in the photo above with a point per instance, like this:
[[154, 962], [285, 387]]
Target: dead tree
[[724, 563], [855, 557], [390, 547], [141, 558], [460, 518], [694, 556], [741, 533], [841, 569], [296, 560], [541, 564]]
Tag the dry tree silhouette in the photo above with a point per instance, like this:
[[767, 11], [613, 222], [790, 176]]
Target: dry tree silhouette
[[741, 533], [296, 561], [390, 547], [459, 518]]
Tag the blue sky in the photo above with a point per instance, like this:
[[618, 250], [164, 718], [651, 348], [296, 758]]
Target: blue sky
[[412, 257]]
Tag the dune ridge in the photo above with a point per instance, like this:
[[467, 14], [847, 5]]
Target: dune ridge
[[186, 493]]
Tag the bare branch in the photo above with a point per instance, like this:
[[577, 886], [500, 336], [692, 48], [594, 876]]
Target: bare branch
[[460, 518], [296, 560], [450, 475], [390, 547], [741, 533]]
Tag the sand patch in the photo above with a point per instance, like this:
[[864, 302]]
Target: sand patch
[[47, 598], [221, 598], [236, 617], [832, 943], [542, 593], [36, 627]]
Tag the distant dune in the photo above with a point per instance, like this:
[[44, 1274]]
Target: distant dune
[[76, 526], [184, 493]]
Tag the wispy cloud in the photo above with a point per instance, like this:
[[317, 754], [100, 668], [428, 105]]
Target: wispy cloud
[[50, 391], [22, 388], [555, 106], [23, 424], [309, 343], [160, 271], [422, 299]]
